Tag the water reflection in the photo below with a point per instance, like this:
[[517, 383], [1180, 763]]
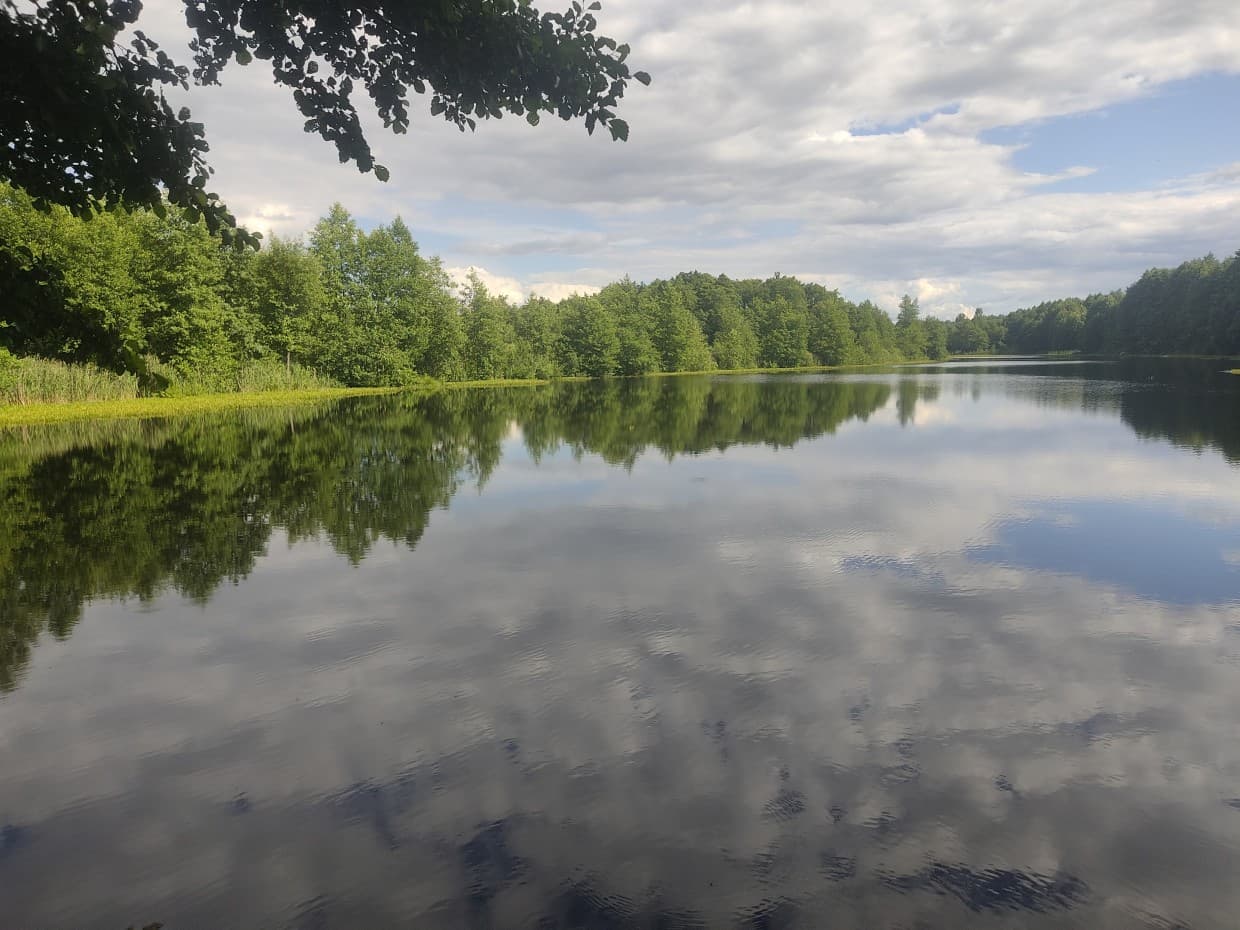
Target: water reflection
[[792, 664], [1125, 544], [129, 509]]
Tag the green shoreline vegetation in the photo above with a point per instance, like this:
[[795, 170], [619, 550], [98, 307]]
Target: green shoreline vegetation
[[160, 407], [138, 305], [17, 415]]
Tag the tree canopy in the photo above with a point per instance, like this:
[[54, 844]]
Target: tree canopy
[[160, 297], [84, 121]]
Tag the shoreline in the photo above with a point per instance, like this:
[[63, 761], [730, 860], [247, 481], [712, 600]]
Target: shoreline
[[142, 408]]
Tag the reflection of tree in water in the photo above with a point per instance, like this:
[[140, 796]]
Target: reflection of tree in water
[[131, 509], [1192, 419], [908, 393]]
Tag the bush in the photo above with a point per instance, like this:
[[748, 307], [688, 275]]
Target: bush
[[39, 381], [249, 377], [44, 381], [9, 364], [270, 375]]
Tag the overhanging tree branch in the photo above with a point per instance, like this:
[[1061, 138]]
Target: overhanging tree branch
[[84, 121]]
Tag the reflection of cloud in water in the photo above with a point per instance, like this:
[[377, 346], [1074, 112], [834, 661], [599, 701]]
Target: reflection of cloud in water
[[656, 701], [1125, 544]]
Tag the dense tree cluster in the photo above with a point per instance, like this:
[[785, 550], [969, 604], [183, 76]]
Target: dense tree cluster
[[158, 295], [133, 291], [1190, 310]]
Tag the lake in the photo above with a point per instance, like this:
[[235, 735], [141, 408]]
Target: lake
[[939, 647]]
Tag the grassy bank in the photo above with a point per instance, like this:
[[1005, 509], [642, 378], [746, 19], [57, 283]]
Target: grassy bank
[[80, 393], [26, 381], [155, 407]]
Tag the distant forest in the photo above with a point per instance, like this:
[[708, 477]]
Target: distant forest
[[154, 296]]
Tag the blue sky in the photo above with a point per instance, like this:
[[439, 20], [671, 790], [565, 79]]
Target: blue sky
[[973, 155], [1180, 129]]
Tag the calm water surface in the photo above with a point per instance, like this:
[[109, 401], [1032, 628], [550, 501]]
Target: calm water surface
[[946, 647]]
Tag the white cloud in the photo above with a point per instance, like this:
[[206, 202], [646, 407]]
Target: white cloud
[[515, 289], [774, 114]]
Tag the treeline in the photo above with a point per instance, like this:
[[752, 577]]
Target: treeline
[[1190, 310], [156, 296]]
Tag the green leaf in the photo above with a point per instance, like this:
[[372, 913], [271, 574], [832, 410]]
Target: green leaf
[[595, 6], [381, 173], [619, 130], [532, 118], [244, 57], [641, 77]]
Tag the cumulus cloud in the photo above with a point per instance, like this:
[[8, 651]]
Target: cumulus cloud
[[516, 290], [832, 140]]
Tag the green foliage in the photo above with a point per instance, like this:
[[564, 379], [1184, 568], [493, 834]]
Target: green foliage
[[590, 344], [387, 308], [282, 286], [968, 336], [910, 330], [46, 381], [489, 333], [831, 339], [157, 295], [675, 332], [250, 377], [1193, 309], [783, 333], [110, 136], [936, 338], [735, 345], [162, 299], [95, 412], [10, 366]]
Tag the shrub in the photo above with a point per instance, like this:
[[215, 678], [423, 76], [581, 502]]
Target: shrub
[[44, 381]]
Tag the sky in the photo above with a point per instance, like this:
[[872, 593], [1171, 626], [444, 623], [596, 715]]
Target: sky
[[991, 155]]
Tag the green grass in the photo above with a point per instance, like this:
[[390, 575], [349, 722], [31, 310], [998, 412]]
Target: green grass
[[156, 407], [248, 378]]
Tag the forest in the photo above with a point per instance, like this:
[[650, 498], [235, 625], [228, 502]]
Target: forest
[[144, 301], [1193, 309], [160, 302]]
